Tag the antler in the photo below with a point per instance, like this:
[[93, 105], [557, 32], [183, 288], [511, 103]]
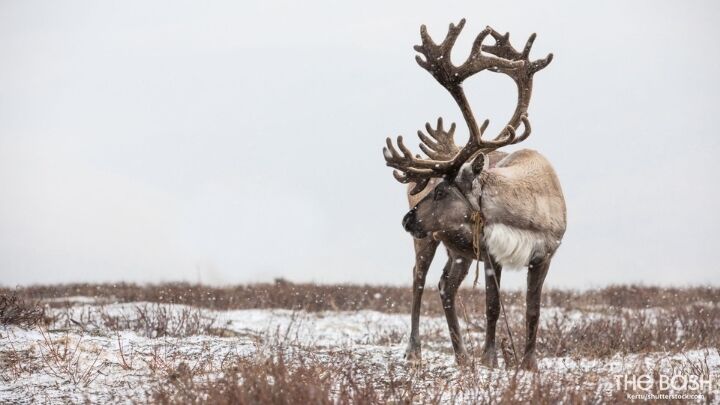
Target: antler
[[441, 144], [437, 62], [415, 168], [437, 57], [522, 76]]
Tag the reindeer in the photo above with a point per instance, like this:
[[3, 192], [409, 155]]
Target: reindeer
[[517, 195]]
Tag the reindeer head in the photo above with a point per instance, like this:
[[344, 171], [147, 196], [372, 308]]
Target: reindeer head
[[450, 204]]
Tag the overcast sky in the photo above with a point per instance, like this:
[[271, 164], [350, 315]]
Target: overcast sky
[[232, 142]]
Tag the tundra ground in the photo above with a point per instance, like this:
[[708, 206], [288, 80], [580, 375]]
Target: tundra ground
[[301, 343]]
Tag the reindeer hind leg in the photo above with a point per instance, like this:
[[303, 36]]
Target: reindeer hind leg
[[535, 278], [492, 311]]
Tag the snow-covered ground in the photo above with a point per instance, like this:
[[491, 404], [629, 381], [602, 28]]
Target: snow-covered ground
[[112, 352]]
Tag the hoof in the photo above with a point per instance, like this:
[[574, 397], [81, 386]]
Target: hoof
[[413, 354], [529, 362], [489, 359], [462, 359]]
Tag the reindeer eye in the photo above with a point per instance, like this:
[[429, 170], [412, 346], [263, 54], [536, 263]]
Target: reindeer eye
[[439, 193]]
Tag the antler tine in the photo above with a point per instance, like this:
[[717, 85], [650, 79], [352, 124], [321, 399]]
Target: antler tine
[[440, 145], [526, 132], [408, 163], [478, 62], [502, 47], [528, 46], [404, 161], [509, 139], [420, 182], [540, 64], [433, 51]]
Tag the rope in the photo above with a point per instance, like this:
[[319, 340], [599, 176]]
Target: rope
[[477, 221], [478, 225]]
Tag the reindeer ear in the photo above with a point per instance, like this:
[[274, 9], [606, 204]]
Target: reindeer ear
[[479, 164]]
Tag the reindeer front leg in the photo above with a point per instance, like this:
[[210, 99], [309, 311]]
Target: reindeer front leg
[[492, 311], [535, 278], [453, 274], [424, 253]]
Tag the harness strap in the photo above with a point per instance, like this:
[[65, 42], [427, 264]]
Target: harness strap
[[478, 225]]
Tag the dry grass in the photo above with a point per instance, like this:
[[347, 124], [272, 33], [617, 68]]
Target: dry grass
[[16, 311], [249, 382], [147, 320], [671, 329], [301, 376], [63, 359], [313, 297], [16, 363]]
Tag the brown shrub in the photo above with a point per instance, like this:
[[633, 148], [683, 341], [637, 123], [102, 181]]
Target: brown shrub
[[248, 382], [155, 321], [16, 311], [148, 320], [623, 332], [298, 376], [315, 297]]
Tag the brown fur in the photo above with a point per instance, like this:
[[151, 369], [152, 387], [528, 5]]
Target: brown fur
[[523, 191]]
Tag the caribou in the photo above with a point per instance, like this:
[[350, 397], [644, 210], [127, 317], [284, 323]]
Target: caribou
[[517, 195]]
